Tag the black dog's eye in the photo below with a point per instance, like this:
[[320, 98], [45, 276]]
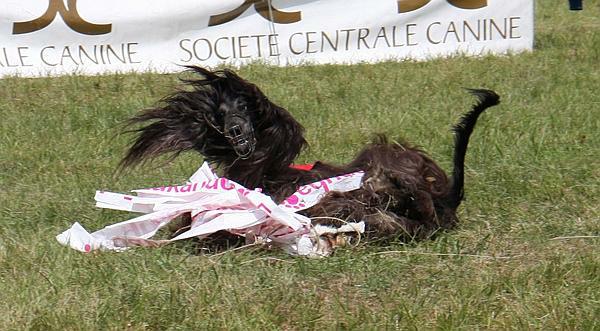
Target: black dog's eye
[[217, 118], [214, 119]]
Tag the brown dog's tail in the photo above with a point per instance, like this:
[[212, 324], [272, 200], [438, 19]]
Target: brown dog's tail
[[462, 131]]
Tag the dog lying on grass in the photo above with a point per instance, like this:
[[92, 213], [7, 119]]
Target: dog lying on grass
[[404, 193]]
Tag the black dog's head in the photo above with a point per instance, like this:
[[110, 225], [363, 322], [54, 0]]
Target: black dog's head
[[223, 117], [234, 107]]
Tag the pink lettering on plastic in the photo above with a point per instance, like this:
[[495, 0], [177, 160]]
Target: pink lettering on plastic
[[172, 188], [227, 185], [294, 202], [211, 185], [304, 190], [321, 185]]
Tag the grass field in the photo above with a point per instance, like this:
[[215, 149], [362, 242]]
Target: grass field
[[533, 174]]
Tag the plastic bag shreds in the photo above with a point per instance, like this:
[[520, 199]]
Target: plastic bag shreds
[[216, 204]]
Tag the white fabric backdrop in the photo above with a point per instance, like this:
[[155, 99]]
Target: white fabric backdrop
[[88, 37]]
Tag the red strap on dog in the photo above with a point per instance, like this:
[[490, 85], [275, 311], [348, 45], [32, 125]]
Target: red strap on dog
[[305, 167]]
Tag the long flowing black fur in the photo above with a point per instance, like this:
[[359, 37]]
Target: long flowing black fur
[[404, 192], [462, 133], [187, 120]]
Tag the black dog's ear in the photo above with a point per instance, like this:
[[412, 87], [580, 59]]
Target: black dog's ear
[[209, 76], [166, 131], [243, 87], [259, 103], [184, 121]]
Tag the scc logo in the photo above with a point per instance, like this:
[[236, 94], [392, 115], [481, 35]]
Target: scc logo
[[264, 8], [69, 15], [405, 6]]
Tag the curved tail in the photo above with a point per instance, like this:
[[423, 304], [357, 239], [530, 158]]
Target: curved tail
[[462, 131]]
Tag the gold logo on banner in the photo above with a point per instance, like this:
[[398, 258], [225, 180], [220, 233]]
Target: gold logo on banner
[[405, 6], [263, 7], [69, 15]]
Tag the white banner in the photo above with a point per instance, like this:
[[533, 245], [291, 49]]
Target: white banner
[[89, 37]]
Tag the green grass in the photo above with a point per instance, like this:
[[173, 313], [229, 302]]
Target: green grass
[[532, 175]]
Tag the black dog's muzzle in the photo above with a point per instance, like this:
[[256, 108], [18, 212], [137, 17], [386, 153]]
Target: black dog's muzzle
[[242, 141], [239, 133]]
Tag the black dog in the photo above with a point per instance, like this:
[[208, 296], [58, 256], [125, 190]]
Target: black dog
[[254, 142]]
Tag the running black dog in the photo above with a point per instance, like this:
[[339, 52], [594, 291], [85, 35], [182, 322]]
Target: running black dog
[[254, 142]]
